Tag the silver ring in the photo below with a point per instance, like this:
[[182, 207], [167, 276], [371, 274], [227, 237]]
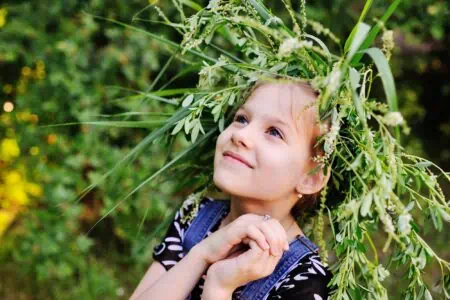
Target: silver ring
[[266, 217]]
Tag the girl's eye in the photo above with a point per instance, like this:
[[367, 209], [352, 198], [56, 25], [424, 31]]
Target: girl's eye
[[272, 129], [276, 130], [237, 118]]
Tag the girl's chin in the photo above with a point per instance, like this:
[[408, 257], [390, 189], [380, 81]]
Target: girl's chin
[[229, 182]]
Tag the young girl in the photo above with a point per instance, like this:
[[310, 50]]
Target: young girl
[[250, 246]]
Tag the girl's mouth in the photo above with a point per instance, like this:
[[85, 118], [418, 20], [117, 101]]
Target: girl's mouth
[[236, 158]]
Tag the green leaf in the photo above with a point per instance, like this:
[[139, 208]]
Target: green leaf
[[321, 44], [221, 123], [349, 40], [375, 30], [386, 76], [445, 215], [354, 82], [362, 29], [188, 124], [231, 99], [188, 100], [422, 164], [195, 131], [216, 109], [178, 127]]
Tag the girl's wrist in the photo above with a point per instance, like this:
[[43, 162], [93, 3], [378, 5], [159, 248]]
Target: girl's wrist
[[201, 253], [213, 290]]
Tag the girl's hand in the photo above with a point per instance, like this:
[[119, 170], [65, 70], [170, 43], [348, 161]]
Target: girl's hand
[[240, 268], [267, 234]]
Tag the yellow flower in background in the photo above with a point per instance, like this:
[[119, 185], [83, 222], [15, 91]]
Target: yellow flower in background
[[3, 14], [15, 190], [26, 71], [24, 116], [6, 218], [7, 89], [40, 65], [9, 149], [33, 189], [16, 195], [34, 151], [12, 178], [51, 138]]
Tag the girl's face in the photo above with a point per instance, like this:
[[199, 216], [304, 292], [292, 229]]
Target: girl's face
[[276, 147]]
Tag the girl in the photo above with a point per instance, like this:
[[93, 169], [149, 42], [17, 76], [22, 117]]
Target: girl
[[250, 246]]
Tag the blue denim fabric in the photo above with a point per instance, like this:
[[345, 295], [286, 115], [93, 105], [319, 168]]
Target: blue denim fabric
[[259, 289]]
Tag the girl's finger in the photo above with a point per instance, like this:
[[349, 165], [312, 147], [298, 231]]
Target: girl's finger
[[250, 256], [254, 233], [263, 263], [280, 233], [255, 250], [271, 237]]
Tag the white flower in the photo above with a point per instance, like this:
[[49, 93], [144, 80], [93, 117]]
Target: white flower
[[213, 4], [388, 226], [385, 187], [403, 225], [351, 208], [330, 139], [334, 79], [388, 39], [382, 272], [339, 238], [273, 20], [291, 44], [393, 118]]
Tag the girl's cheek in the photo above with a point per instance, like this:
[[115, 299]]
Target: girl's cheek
[[222, 138]]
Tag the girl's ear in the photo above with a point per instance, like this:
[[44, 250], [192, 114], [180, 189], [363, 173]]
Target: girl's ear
[[313, 183]]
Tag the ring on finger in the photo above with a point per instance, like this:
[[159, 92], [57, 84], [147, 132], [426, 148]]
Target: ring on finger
[[266, 217]]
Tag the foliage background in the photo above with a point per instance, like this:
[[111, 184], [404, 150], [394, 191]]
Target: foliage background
[[59, 64]]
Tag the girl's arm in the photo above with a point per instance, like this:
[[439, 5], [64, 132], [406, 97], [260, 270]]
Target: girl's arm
[[178, 282]]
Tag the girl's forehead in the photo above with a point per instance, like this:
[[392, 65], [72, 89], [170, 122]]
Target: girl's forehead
[[293, 102]]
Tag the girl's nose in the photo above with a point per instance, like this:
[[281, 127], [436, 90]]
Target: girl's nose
[[242, 137]]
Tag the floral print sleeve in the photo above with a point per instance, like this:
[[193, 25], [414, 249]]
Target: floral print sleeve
[[170, 250]]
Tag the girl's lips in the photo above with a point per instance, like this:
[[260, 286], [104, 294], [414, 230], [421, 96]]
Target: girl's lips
[[234, 156]]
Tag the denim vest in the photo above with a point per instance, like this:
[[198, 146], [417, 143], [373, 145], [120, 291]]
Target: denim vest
[[259, 289]]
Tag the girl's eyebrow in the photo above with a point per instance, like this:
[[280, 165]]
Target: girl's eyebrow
[[272, 118]]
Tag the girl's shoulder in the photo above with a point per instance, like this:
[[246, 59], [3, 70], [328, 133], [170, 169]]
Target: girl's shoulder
[[190, 208], [170, 250]]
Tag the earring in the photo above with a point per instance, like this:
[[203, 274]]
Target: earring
[[299, 196]]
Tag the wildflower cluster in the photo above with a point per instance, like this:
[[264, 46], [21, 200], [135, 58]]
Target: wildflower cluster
[[15, 190]]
